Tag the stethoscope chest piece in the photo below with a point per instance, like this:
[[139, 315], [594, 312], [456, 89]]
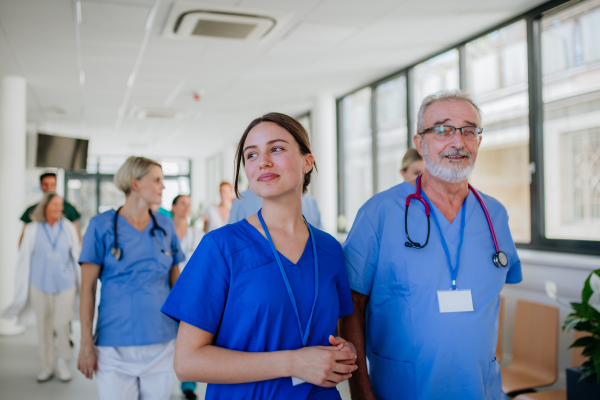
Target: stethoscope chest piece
[[116, 252], [500, 259]]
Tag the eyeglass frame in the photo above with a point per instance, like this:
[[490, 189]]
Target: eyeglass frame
[[454, 128]]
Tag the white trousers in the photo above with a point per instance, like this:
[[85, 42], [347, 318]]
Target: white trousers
[[53, 312], [136, 372]]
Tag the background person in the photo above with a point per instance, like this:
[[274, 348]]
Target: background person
[[251, 313], [412, 165], [432, 309], [217, 216], [189, 238], [48, 184], [135, 253], [47, 283], [249, 203]]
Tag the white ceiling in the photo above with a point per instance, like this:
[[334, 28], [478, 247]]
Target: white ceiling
[[326, 46]]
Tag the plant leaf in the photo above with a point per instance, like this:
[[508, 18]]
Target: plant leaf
[[583, 342], [587, 291]]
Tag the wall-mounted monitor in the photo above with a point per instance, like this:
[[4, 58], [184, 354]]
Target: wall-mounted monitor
[[61, 152]]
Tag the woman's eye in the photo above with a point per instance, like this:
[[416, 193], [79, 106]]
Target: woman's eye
[[250, 155], [277, 149]]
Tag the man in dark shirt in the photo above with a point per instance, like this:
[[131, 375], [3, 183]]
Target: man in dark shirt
[[48, 183]]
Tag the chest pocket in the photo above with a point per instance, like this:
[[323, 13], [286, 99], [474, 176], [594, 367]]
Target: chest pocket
[[258, 263]]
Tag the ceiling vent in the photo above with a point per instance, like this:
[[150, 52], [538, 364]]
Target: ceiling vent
[[158, 113], [208, 22]]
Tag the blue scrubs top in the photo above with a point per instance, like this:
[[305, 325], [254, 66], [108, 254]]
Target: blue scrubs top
[[416, 352], [52, 269], [232, 288], [135, 287]]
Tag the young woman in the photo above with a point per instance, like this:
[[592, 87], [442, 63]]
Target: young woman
[[260, 298], [48, 279], [135, 253], [412, 166]]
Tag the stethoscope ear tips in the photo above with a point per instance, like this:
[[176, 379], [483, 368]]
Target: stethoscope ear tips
[[408, 244]]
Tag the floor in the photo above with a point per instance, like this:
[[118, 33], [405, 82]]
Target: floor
[[20, 363]]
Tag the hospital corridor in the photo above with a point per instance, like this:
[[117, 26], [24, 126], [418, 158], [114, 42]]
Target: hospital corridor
[[300, 199]]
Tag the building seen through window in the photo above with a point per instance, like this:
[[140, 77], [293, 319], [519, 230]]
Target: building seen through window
[[496, 70], [571, 95]]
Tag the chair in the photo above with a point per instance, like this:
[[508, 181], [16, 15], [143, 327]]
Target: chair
[[500, 327], [535, 343], [561, 394]]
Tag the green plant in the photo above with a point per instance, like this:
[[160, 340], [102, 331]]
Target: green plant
[[585, 318]]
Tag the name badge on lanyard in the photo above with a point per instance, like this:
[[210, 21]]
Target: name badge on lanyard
[[303, 334], [54, 259], [454, 300]]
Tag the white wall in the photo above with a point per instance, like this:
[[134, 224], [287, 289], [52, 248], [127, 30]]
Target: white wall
[[569, 272]]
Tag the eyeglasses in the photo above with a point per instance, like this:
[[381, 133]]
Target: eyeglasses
[[446, 132]]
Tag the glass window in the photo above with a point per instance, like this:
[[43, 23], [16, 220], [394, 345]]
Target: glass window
[[497, 77], [356, 154], [110, 196], [437, 73], [173, 188], [571, 95], [391, 131], [81, 193]]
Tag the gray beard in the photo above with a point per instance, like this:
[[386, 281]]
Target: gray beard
[[450, 175]]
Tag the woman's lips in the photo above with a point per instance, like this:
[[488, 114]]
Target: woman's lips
[[267, 177]]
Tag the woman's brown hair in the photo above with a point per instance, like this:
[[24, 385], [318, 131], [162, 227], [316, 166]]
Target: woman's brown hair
[[288, 123]]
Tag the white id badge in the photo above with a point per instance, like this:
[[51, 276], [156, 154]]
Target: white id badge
[[455, 300], [297, 381]]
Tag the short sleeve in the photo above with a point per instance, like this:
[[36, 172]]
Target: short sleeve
[[25, 217], [361, 252], [514, 275], [343, 289], [92, 246], [71, 212], [200, 293]]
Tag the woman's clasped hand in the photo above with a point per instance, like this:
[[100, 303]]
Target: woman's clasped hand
[[325, 365]]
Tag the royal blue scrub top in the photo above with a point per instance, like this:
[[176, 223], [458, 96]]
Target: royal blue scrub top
[[135, 287], [416, 352], [232, 287]]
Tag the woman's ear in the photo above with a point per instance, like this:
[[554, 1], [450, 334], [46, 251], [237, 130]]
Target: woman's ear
[[134, 185], [309, 161]]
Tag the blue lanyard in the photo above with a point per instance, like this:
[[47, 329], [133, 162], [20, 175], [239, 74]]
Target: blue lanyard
[[53, 244], [453, 271], [303, 334]]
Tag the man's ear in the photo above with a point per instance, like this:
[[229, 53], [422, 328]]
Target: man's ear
[[418, 141]]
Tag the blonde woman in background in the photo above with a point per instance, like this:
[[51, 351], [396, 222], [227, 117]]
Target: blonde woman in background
[[217, 216], [412, 166], [135, 253], [47, 283]]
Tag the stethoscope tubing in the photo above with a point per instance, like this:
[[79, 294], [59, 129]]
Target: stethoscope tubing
[[496, 258]]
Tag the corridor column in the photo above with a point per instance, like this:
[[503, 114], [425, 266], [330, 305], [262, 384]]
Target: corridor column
[[12, 185], [324, 146]]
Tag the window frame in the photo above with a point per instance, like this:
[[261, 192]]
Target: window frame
[[532, 19]]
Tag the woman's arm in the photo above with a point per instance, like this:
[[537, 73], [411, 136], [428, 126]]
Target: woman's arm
[[173, 275], [198, 360], [87, 362]]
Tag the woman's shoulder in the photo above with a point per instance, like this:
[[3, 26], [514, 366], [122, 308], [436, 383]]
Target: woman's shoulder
[[327, 243], [103, 220], [231, 238]]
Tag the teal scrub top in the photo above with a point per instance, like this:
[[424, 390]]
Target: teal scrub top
[[416, 352]]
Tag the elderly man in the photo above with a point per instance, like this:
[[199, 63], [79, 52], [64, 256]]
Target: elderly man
[[426, 300]]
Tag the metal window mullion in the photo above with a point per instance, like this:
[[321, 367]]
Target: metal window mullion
[[374, 147], [410, 112], [462, 68], [536, 120]]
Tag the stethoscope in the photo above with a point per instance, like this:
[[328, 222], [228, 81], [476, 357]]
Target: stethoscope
[[500, 259], [118, 253]]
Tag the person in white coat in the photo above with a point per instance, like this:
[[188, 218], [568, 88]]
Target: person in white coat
[[47, 283]]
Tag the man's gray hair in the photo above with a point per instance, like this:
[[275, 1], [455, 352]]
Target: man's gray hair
[[443, 95]]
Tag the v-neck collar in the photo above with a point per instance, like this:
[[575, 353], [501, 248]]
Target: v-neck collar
[[123, 219], [451, 231], [264, 243]]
